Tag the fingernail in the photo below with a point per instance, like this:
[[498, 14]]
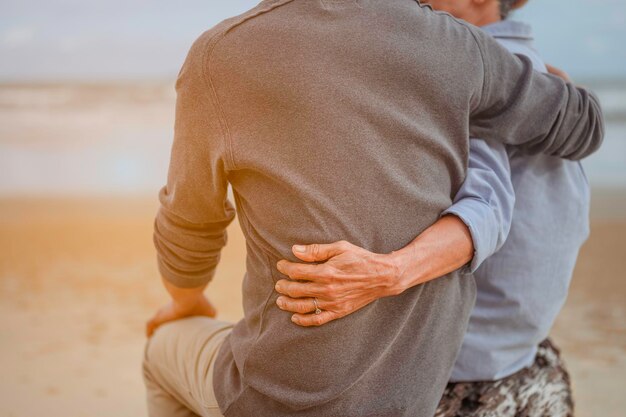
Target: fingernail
[[295, 319], [277, 286], [299, 248], [279, 302]]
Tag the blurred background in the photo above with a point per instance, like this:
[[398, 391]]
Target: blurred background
[[86, 121]]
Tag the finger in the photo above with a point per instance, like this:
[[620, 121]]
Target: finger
[[307, 272], [298, 289], [318, 252], [308, 320], [151, 325], [157, 319], [210, 310], [209, 313], [323, 291], [558, 72], [301, 305]]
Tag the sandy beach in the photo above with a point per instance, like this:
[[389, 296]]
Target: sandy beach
[[78, 275], [78, 280]]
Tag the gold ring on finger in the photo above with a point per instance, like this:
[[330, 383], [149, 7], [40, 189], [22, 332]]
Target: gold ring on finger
[[317, 307]]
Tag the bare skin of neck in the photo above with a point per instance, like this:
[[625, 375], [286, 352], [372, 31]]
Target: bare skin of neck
[[476, 12], [483, 12]]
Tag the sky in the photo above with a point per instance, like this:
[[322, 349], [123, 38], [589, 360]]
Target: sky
[[94, 40]]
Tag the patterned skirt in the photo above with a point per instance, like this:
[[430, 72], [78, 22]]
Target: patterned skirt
[[541, 390]]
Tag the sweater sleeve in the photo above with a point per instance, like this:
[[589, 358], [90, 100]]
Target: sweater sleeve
[[538, 112], [190, 224]]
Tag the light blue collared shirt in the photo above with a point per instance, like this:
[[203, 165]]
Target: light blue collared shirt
[[522, 287]]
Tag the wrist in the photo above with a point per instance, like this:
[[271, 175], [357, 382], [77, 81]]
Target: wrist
[[184, 299], [403, 275], [413, 263], [188, 302]]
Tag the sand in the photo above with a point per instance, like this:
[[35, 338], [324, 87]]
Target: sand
[[78, 279]]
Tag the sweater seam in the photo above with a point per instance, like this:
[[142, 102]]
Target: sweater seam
[[485, 71], [221, 116], [243, 391], [256, 339], [246, 226], [206, 64]]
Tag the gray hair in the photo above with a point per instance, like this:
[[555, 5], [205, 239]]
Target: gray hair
[[505, 7]]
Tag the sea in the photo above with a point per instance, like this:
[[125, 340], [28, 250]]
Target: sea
[[89, 139]]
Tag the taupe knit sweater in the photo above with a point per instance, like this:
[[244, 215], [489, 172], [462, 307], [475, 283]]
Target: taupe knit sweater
[[343, 119]]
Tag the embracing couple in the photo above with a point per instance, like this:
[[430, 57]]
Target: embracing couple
[[412, 203]]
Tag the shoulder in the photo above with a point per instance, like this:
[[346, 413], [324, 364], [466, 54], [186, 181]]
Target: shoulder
[[456, 39], [450, 23], [205, 44]]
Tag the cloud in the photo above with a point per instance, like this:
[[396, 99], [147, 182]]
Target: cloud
[[17, 36], [71, 44]]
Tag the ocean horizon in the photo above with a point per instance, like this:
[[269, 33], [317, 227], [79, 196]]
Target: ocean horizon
[[111, 137]]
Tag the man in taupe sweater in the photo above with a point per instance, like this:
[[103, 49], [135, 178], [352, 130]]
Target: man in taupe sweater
[[331, 119]]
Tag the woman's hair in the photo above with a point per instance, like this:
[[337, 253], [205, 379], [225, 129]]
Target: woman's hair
[[506, 6]]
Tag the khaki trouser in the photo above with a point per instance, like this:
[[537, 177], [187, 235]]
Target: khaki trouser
[[178, 367]]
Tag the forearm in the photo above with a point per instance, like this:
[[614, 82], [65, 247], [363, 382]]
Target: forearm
[[351, 277], [486, 199], [539, 113], [187, 252], [184, 296], [442, 248]]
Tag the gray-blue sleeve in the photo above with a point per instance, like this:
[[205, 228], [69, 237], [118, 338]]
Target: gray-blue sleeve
[[486, 199]]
